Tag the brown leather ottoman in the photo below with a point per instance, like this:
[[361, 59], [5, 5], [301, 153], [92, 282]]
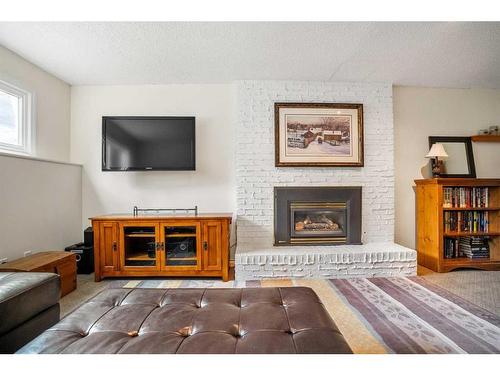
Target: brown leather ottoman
[[250, 320]]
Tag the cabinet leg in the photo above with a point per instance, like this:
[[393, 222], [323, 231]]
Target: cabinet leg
[[97, 277], [225, 273]]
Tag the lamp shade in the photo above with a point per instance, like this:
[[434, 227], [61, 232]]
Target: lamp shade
[[437, 150]]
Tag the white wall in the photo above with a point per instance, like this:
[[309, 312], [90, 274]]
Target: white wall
[[40, 206], [52, 104], [211, 186], [40, 201], [256, 174], [422, 112]]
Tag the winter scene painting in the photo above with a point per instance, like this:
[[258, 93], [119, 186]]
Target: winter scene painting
[[313, 135], [319, 134]]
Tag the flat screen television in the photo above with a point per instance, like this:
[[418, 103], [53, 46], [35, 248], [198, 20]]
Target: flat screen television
[[148, 143]]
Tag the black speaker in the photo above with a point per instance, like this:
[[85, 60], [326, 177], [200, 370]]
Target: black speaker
[[84, 257], [88, 237]]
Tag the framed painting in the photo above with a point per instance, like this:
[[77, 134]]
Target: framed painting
[[318, 135]]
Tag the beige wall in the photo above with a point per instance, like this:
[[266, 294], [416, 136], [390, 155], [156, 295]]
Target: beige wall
[[422, 112], [52, 103]]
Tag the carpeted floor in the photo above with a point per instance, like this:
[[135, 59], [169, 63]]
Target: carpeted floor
[[379, 315], [479, 287]]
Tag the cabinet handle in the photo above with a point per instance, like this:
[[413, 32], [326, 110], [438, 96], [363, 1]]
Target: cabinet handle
[[205, 245], [114, 246]]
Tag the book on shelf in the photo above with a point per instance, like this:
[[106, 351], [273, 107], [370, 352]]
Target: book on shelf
[[466, 221], [450, 248], [465, 197], [467, 247], [474, 247]]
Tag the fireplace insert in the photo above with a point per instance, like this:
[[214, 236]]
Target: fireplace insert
[[317, 215]]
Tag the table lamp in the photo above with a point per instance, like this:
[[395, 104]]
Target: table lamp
[[437, 151]]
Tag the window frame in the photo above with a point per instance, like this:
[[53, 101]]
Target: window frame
[[26, 119]]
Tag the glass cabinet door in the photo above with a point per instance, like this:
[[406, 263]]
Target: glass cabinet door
[[181, 247], [139, 246]]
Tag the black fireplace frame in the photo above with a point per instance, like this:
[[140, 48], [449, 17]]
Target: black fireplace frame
[[285, 195]]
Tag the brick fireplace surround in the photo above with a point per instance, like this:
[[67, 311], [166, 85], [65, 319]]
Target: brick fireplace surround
[[256, 178]]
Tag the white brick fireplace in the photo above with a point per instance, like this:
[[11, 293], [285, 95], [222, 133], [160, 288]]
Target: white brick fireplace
[[256, 177]]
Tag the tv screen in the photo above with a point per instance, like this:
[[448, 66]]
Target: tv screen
[[148, 143]]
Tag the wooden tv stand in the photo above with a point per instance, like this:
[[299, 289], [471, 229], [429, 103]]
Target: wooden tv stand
[[146, 245]]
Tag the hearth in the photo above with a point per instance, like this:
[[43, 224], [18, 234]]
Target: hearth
[[317, 215]]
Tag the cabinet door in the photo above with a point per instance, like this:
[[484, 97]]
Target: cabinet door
[[139, 250], [212, 246], [108, 247], [180, 244]]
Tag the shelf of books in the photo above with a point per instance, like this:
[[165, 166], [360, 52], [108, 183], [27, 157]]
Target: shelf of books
[[458, 223], [466, 223]]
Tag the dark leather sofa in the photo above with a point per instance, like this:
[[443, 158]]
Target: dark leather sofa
[[249, 320], [29, 304]]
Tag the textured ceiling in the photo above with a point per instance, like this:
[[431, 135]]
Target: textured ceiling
[[444, 54]]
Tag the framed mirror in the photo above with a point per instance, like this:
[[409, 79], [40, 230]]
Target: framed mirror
[[460, 160]]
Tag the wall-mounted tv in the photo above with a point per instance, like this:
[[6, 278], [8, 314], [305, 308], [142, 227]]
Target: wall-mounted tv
[[148, 143]]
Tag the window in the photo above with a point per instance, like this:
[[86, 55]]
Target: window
[[16, 119]]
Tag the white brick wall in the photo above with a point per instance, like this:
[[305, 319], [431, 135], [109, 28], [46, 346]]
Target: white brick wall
[[256, 174]]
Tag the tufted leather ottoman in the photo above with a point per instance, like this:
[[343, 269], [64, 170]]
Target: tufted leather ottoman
[[250, 320]]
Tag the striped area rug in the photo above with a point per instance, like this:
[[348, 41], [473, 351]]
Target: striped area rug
[[384, 315]]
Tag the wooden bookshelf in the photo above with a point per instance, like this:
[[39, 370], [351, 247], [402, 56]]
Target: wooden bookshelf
[[468, 234], [471, 208], [431, 232]]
